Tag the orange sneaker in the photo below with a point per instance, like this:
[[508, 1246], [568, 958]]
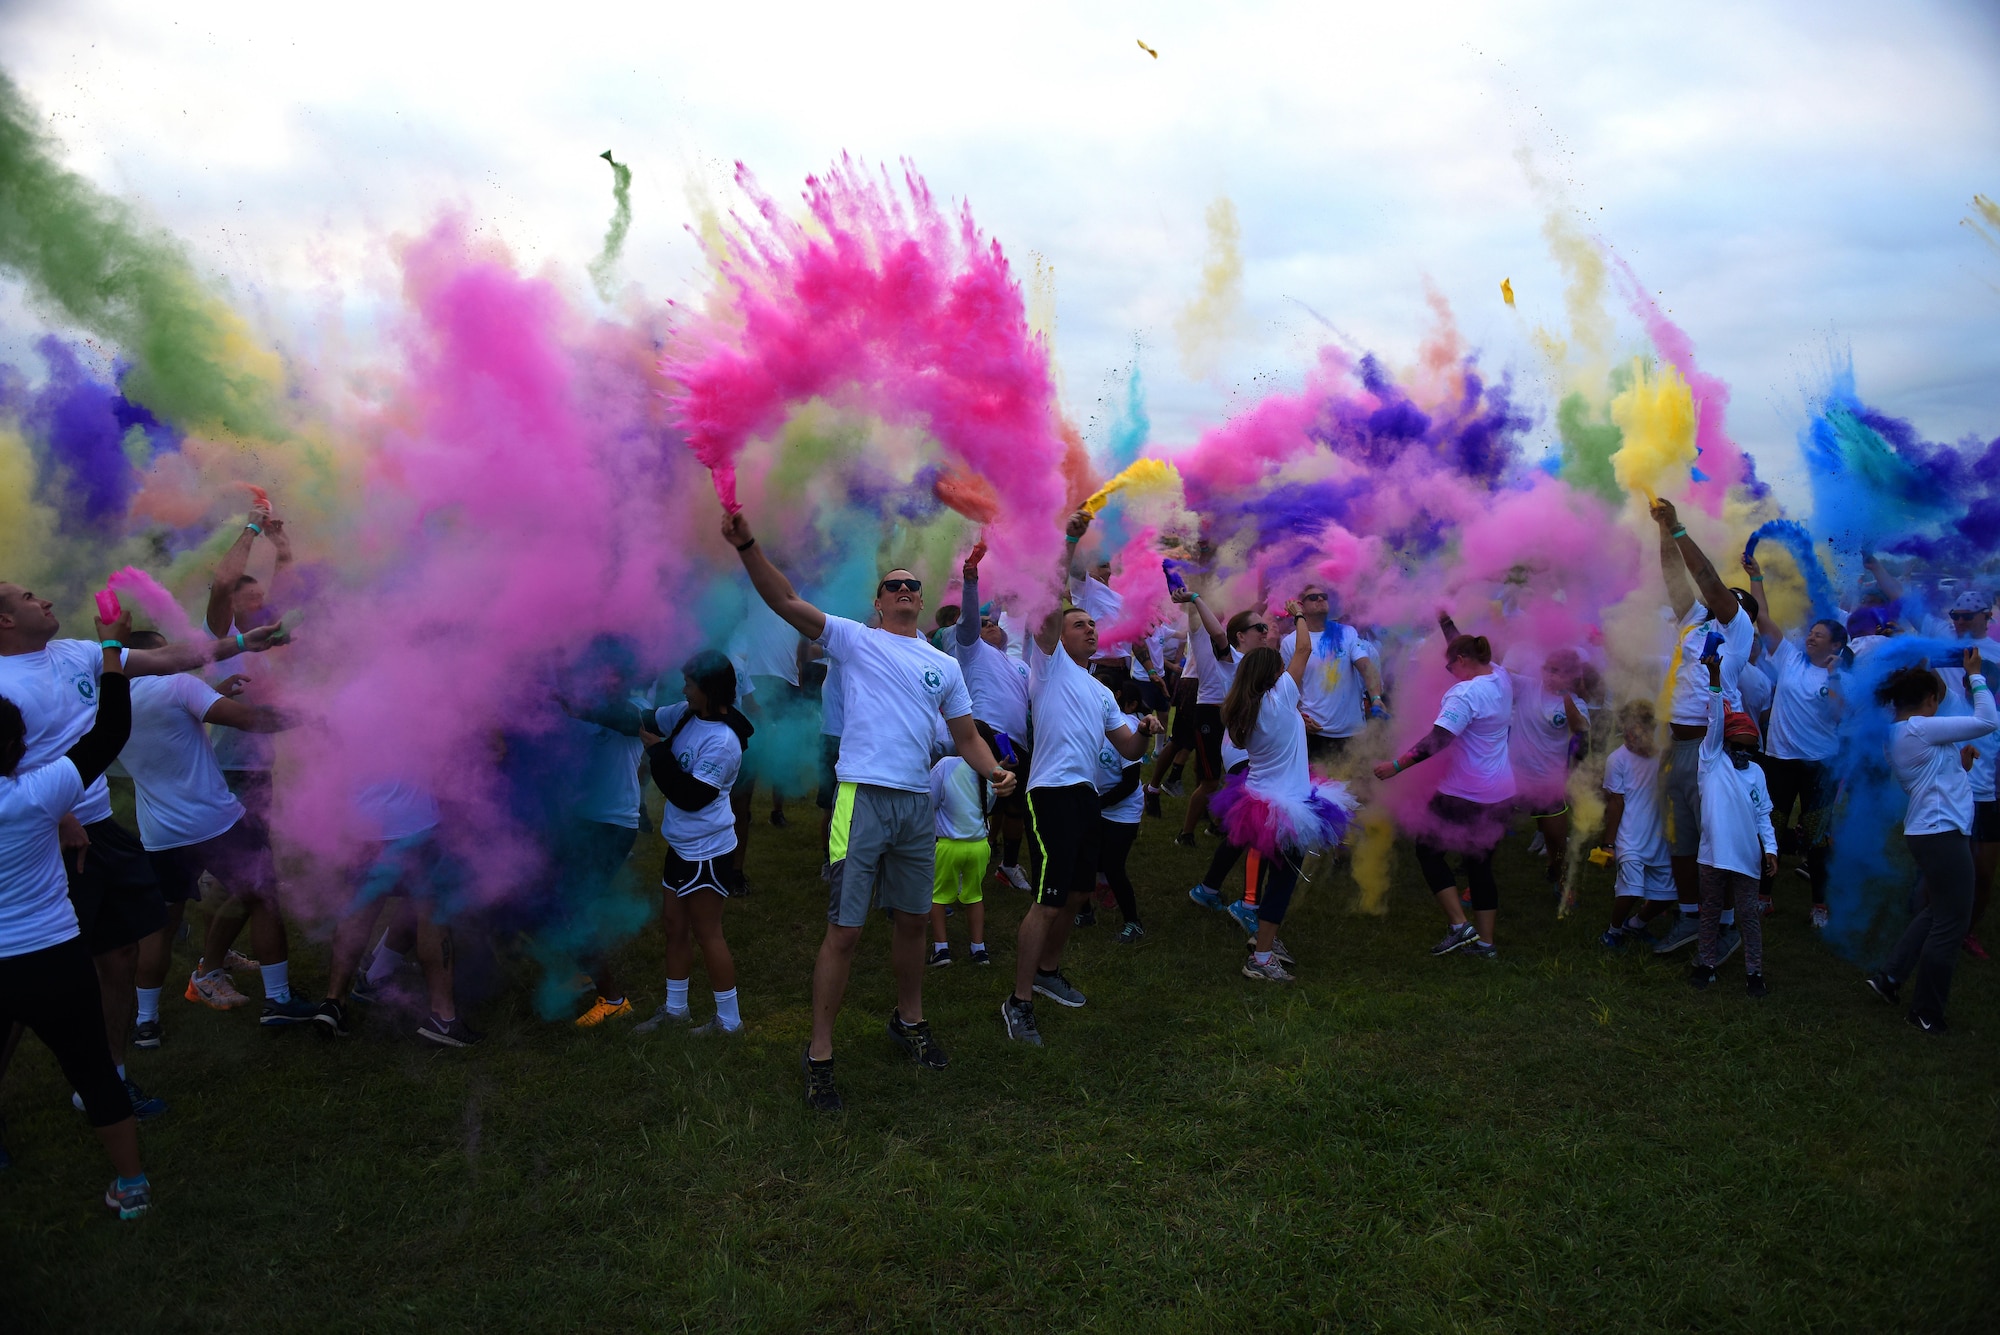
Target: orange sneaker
[[602, 1011], [215, 991]]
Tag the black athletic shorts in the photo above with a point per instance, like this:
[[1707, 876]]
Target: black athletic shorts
[[1183, 733], [1208, 742], [239, 859], [681, 877], [1066, 826], [1153, 697], [1324, 749], [116, 895]]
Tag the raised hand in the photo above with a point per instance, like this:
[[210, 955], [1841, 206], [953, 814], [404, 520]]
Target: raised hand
[[736, 531]]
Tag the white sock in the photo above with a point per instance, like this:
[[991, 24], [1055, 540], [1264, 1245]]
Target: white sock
[[725, 1009], [277, 982], [386, 962], [677, 996], [1691, 911], [1729, 917], [149, 1004], [979, 945], [1264, 956]]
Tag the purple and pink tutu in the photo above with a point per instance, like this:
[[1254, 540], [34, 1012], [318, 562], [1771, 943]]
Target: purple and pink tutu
[[1250, 819]]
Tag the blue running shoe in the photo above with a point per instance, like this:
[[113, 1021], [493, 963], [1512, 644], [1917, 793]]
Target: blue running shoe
[[1245, 915], [1205, 897]]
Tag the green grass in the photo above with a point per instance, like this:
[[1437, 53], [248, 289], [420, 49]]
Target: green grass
[[1565, 1140]]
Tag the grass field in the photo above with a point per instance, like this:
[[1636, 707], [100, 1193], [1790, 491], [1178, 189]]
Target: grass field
[[1564, 1140]]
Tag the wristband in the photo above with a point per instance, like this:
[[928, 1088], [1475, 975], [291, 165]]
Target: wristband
[[1071, 539], [746, 546], [1399, 764], [109, 644], [254, 529], [239, 639], [1680, 531], [1979, 684], [1756, 579]]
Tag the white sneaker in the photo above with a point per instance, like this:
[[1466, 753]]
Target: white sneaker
[[1015, 877], [1274, 972]]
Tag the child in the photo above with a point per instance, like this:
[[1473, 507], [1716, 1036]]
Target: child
[[695, 758], [1122, 805], [1738, 846], [960, 803], [1635, 829]]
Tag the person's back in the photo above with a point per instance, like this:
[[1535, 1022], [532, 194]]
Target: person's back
[[182, 797], [1479, 711]]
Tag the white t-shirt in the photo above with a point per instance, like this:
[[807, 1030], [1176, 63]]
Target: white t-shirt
[[955, 799], [1333, 680], [1924, 754], [1539, 744], [183, 798], [1690, 703], [1757, 686], [236, 749], [1479, 713], [998, 686], [35, 911], [764, 644], [395, 809], [1805, 717], [608, 790], [1642, 830], [1215, 674], [56, 691], [906, 685], [1277, 749], [1074, 712], [1982, 774], [1735, 803], [710, 753], [1131, 808], [1104, 605], [832, 704]]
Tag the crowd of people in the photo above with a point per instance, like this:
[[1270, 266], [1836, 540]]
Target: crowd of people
[[1005, 748]]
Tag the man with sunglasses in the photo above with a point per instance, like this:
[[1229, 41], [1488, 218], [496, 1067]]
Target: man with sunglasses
[[883, 840], [1342, 682]]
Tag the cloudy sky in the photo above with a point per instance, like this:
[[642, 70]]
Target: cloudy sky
[[1791, 179]]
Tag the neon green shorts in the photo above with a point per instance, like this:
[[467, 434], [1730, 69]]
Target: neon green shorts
[[961, 871]]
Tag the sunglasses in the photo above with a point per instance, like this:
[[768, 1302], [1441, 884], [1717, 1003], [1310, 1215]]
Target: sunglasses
[[1259, 627], [1313, 598], [987, 623], [900, 586]]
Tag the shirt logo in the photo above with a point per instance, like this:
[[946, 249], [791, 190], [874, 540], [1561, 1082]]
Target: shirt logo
[[933, 680], [1106, 759], [86, 688], [1559, 719]]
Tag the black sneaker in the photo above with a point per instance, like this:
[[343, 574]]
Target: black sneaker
[[821, 1096], [332, 1016], [292, 1010], [1754, 985], [1184, 841], [1153, 802], [1700, 975], [1019, 1017], [144, 1106], [146, 1034], [980, 955], [1927, 1023], [449, 1033], [940, 956], [1883, 986], [916, 1040], [1087, 918]]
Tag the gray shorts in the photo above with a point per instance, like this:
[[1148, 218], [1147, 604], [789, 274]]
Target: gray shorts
[[1681, 783], [883, 851]]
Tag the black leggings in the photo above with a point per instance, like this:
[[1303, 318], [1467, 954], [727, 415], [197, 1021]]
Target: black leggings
[[1928, 950], [1810, 784], [1114, 845], [1476, 820], [1277, 877], [54, 992]]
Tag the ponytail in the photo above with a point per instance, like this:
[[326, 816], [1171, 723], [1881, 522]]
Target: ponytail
[[1255, 676]]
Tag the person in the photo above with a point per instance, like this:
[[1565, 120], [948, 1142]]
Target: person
[[1549, 718], [1937, 828], [1275, 808], [961, 804], [1634, 829], [237, 601], [1804, 732], [998, 684], [1971, 616], [695, 750], [882, 845], [1739, 848], [117, 897], [1468, 812], [1182, 737], [1121, 806], [1075, 715], [1716, 612], [47, 979], [765, 653], [1215, 650], [191, 824], [1089, 584], [947, 618], [1342, 683]]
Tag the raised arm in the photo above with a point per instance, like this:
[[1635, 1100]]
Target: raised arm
[[1302, 646], [1766, 627], [96, 749], [222, 588], [1711, 741], [281, 570], [1715, 595], [1891, 587], [1680, 590], [1073, 566], [973, 750], [172, 658], [1201, 621], [770, 582], [968, 619]]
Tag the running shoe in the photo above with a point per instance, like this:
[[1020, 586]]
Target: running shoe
[[1925, 1022], [980, 955], [215, 991], [714, 1028], [660, 1017], [1613, 939], [1152, 805], [1019, 1017], [1973, 948], [1174, 788], [1883, 986], [144, 1106], [237, 962], [292, 1010], [332, 1016], [1700, 976], [449, 1033], [1273, 972], [1538, 844], [778, 819], [1087, 917], [1820, 916], [1132, 934], [1015, 877], [916, 1040], [1481, 950], [1754, 985], [1058, 989], [1245, 914], [1184, 841], [1731, 940], [364, 990], [146, 1034], [1205, 897], [821, 1096], [603, 1010], [1277, 948], [1455, 938], [129, 1202], [1682, 933], [940, 956]]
